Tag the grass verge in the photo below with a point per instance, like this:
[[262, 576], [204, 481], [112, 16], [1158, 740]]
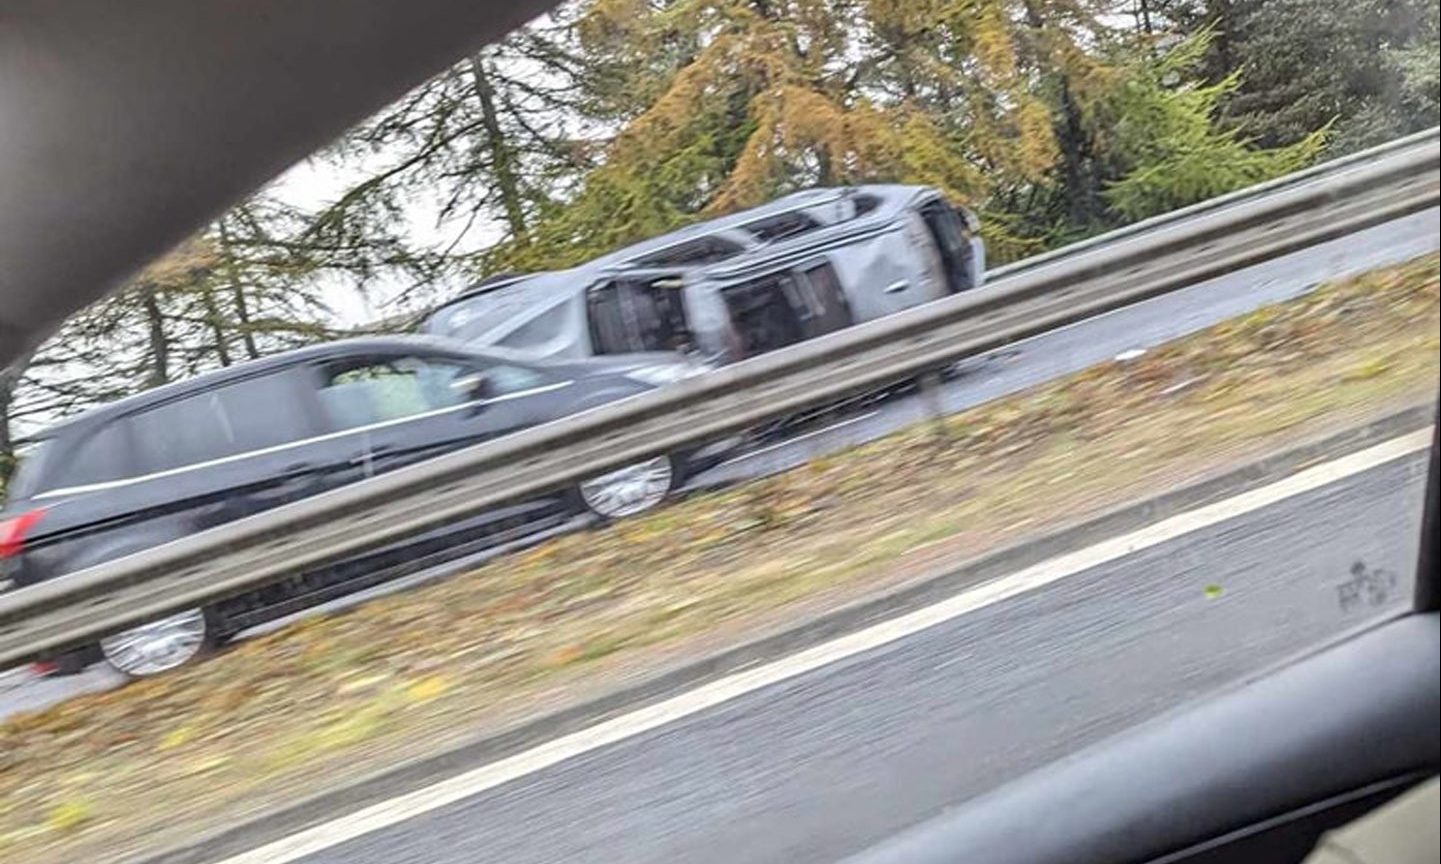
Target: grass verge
[[159, 761]]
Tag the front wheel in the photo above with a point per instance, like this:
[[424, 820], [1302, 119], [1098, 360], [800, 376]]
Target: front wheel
[[159, 646], [629, 490]]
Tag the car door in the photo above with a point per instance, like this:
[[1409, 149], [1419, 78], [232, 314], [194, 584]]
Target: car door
[[398, 408], [233, 450]]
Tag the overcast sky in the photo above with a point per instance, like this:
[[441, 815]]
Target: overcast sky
[[314, 183]]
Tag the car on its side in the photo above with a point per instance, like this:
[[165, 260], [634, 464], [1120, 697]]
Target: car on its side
[[730, 288], [224, 445]]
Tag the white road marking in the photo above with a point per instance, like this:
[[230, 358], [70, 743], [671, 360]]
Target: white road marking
[[789, 441], [641, 720]]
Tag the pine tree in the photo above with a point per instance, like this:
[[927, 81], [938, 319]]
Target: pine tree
[[1367, 67], [491, 142], [723, 104]]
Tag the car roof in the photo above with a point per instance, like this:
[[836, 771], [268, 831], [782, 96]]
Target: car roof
[[337, 349]]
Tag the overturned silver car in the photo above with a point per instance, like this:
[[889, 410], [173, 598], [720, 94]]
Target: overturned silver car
[[719, 291]]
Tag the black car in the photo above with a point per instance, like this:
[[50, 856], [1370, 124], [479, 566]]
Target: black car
[[228, 444]]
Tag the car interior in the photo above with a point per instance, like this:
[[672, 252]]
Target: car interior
[[174, 130]]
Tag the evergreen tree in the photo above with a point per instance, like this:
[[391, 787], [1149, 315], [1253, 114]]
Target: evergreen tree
[[1368, 67]]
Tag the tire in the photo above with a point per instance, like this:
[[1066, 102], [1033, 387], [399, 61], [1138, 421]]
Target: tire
[[630, 490], [160, 646]]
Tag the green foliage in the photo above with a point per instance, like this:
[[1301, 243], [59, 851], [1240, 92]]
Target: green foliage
[[1368, 67], [1164, 140], [1051, 122]]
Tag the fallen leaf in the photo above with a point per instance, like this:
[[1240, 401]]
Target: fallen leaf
[[427, 688], [68, 816]]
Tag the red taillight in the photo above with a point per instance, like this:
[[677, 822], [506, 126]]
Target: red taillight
[[13, 531]]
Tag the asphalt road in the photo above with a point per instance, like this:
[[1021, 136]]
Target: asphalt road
[[824, 764], [981, 379]]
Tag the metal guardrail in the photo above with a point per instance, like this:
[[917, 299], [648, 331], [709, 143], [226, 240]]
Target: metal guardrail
[[1105, 274], [1212, 205]]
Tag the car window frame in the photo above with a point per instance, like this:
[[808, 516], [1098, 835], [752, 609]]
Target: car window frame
[[477, 364], [283, 376]]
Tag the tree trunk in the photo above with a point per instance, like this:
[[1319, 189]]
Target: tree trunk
[[1223, 19], [237, 293], [827, 167], [242, 317], [502, 157], [1143, 16], [1083, 204], [1083, 192], [217, 328], [157, 344]]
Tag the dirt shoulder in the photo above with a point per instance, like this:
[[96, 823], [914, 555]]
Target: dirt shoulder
[[413, 674]]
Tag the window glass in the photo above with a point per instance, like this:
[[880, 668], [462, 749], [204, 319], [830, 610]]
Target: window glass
[[181, 433], [539, 330], [388, 389], [827, 300], [782, 226], [631, 316], [507, 380], [259, 412], [706, 250], [226, 421], [30, 469], [102, 456]]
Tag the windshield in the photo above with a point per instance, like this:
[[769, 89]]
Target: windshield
[[701, 430]]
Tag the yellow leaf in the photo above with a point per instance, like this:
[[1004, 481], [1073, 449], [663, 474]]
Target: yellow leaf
[[428, 688], [177, 737], [68, 816]]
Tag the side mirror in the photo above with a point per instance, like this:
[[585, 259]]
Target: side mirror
[[475, 387]]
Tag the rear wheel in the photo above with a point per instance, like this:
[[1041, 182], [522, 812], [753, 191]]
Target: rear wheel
[[629, 490], [159, 646]]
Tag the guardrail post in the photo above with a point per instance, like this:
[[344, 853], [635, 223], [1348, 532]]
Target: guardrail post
[[930, 387]]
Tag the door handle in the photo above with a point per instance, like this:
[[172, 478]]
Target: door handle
[[897, 287]]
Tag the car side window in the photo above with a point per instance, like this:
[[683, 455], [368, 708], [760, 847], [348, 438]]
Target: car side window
[[384, 389], [628, 316], [237, 418]]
